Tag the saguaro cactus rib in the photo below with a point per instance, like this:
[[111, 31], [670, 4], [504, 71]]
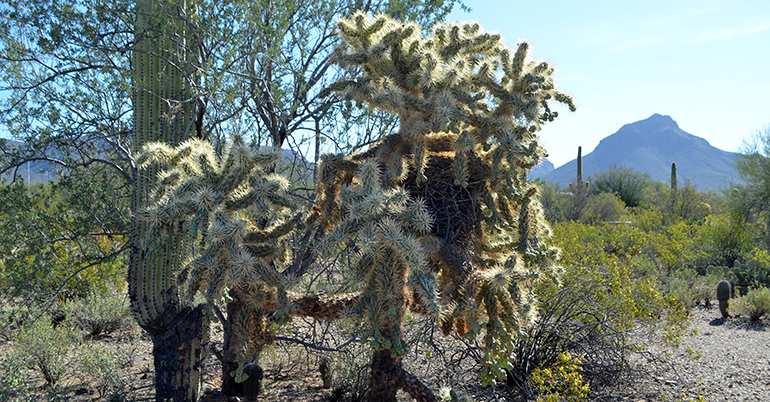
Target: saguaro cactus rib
[[177, 330]]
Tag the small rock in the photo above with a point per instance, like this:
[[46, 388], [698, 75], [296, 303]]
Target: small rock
[[83, 391]]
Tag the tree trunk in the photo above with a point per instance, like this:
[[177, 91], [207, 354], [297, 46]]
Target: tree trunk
[[386, 377], [230, 349], [252, 386], [178, 353]]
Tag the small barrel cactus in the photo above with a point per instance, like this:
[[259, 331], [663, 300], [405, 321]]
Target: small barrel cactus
[[724, 292]]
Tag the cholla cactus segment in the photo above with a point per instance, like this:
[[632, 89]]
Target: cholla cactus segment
[[385, 225], [207, 196]]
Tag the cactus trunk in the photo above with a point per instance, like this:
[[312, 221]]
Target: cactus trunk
[[178, 354], [673, 176], [580, 166], [723, 305], [162, 112], [386, 377]]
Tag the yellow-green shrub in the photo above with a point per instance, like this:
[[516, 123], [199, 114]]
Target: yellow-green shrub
[[562, 381], [755, 304]]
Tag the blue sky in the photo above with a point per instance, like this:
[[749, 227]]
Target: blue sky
[[704, 63]]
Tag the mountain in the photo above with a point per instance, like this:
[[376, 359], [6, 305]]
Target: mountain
[[541, 170], [35, 172], [651, 145]]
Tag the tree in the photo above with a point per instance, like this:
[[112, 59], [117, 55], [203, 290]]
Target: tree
[[211, 69], [631, 186], [753, 198], [468, 111]]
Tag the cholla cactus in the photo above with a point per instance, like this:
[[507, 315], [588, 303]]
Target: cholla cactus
[[217, 201], [469, 109], [386, 226]]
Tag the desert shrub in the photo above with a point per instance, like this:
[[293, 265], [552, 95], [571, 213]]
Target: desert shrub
[[101, 312], [100, 369], [41, 347], [60, 257], [13, 379], [561, 382], [722, 239], [690, 288], [602, 207], [755, 304], [628, 184], [560, 205], [603, 295]]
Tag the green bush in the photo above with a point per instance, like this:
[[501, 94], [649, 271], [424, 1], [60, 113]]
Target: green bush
[[40, 346], [605, 291], [101, 369], [690, 288], [755, 304], [628, 184], [561, 382], [13, 379], [101, 312]]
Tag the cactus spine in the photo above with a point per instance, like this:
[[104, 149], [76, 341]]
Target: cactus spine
[[724, 292], [162, 112], [673, 176], [468, 110], [215, 200]]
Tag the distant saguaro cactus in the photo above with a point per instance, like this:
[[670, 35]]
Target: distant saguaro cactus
[[579, 180], [468, 112], [673, 176]]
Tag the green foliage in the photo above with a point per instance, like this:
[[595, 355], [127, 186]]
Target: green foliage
[[689, 287], [755, 304], [13, 379], [101, 312], [581, 205], [99, 368], [43, 348], [751, 200], [722, 239], [607, 289], [561, 382], [630, 185], [49, 249]]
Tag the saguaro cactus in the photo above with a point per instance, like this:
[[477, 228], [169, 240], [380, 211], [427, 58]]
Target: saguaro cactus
[[673, 176], [163, 112], [580, 166]]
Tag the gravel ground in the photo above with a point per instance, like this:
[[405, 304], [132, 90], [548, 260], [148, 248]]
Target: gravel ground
[[725, 360]]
